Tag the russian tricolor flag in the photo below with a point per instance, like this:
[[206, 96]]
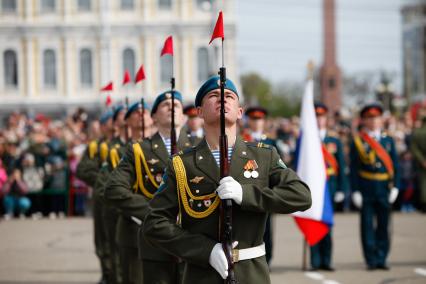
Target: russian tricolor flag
[[316, 221]]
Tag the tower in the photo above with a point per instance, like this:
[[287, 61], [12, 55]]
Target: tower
[[330, 76]]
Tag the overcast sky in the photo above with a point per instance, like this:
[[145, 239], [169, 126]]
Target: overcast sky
[[277, 37]]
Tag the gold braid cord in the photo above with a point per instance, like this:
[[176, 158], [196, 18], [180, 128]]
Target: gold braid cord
[[115, 158], [140, 157], [369, 158], [93, 149], [183, 189], [103, 151]]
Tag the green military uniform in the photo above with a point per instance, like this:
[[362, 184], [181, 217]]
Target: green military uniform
[[111, 214], [337, 182], [88, 171], [371, 176], [418, 148], [141, 171], [188, 191]]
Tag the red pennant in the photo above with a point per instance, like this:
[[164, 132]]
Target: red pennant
[[140, 75], [108, 101], [109, 87], [126, 78], [218, 28], [168, 46]]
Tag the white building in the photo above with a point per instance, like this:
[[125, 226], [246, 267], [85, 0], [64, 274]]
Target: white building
[[57, 54]]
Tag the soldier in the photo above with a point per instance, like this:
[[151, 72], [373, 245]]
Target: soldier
[[374, 179], [259, 183], [337, 183], [88, 171], [256, 119], [194, 125], [136, 179], [418, 148]]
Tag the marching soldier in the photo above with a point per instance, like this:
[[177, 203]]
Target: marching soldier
[[88, 171], [259, 183], [194, 125], [418, 148], [256, 119], [332, 149], [375, 178], [133, 183]]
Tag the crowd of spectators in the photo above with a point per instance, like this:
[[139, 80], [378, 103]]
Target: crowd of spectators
[[39, 156]]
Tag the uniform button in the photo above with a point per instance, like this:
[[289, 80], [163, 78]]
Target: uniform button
[[152, 170], [197, 191], [155, 146], [199, 204], [244, 153], [200, 157]]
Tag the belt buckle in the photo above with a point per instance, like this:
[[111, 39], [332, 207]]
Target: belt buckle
[[235, 255]]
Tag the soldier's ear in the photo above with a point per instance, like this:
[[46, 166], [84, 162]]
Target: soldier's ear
[[240, 113], [200, 112]]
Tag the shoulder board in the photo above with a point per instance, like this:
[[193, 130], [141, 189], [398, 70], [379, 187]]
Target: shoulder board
[[259, 145]]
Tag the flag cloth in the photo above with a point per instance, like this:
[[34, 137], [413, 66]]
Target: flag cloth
[[126, 78], [140, 75], [316, 221], [108, 101], [168, 46], [218, 28], [108, 87]]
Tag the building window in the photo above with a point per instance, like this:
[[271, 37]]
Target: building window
[[10, 69], [127, 4], [129, 61], [165, 4], [49, 68], [205, 5], [86, 73], [48, 5], [8, 6], [84, 5], [166, 65], [203, 64]]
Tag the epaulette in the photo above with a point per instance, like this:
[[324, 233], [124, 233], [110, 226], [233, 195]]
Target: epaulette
[[259, 145]]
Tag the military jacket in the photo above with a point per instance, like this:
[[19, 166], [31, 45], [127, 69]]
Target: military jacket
[[369, 175], [188, 192], [136, 179]]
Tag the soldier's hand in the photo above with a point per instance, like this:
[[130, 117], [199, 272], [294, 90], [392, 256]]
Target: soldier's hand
[[357, 199], [339, 197], [393, 194], [229, 188], [218, 260]]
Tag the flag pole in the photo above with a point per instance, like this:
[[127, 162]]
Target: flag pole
[[305, 255], [173, 130]]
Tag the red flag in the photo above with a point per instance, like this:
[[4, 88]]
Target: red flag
[[126, 78], [140, 75], [168, 46], [108, 101], [108, 87], [218, 28]]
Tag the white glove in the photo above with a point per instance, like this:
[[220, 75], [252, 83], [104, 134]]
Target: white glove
[[393, 194], [357, 199], [339, 197], [218, 260], [229, 188]]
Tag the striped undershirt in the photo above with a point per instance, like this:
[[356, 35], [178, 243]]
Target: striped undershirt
[[168, 144], [216, 155]]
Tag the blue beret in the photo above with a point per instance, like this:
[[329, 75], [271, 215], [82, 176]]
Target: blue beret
[[134, 107], [164, 96], [211, 84], [106, 116], [117, 110]]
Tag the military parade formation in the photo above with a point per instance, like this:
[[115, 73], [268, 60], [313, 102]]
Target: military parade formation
[[187, 194]]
